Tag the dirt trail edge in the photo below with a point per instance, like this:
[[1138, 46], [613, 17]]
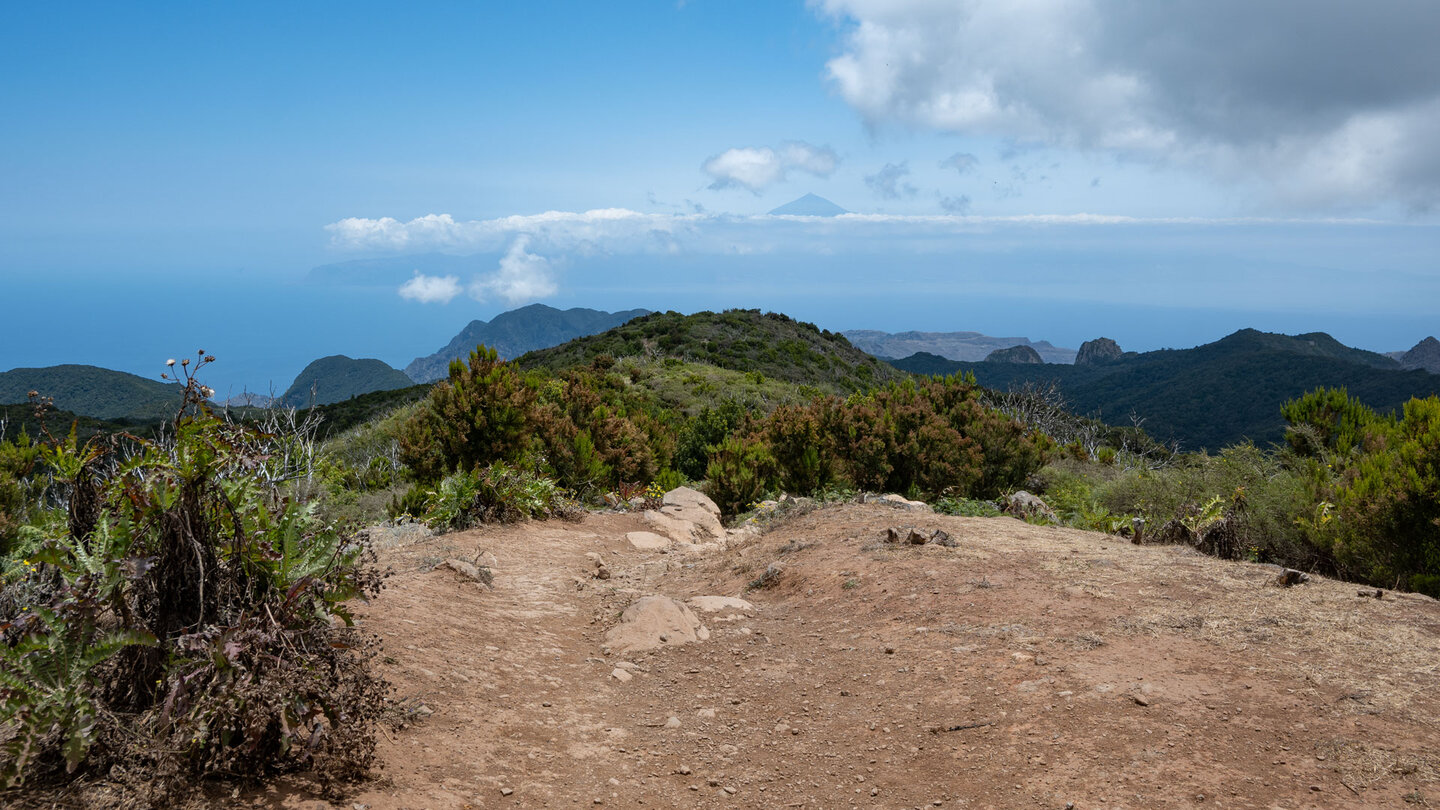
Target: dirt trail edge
[[1015, 667]]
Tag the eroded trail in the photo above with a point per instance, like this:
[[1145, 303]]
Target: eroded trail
[[1022, 667]]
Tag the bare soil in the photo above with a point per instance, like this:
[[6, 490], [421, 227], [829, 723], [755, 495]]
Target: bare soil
[[1024, 667]]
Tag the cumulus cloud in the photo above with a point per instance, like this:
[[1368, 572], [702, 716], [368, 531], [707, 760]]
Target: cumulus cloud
[[430, 289], [890, 182], [1331, 104], [759, 167], [523, 277]]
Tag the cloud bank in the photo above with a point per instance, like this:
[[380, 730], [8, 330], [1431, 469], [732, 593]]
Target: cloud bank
[[532, 243], [1330, 103], [758, 167]]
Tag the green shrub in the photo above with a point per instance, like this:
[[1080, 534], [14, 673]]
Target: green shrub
[[1387, 501], [499, 493], [738, 473], [191, 618], [18, 488], [965, 507]]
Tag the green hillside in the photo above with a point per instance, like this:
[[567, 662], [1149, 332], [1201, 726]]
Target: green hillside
[[741, 340], [338, 378], [92, 391], [1212, 395], [338, 417]]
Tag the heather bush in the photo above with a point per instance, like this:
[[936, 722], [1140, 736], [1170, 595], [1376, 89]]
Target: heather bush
[[927, 437]]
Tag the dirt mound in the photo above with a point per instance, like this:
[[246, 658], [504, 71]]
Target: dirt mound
[[1021, 666], [655, 621]]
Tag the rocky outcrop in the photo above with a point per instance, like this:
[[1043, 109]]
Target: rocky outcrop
[[1425, 355], [1015, 354], [1099, 350]]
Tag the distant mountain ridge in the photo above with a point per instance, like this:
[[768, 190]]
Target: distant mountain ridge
[[966, 346], [92, 391], [811, 205], [1213, 395], [337, 378], [1425, 354], [517, 332]]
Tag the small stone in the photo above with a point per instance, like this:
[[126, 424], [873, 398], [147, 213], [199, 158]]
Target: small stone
[[614, 781], [546, 704], [1139, 700], [732, 790], [506, 791], [620, 675], [708, 714], [683, 770], [673, 722]]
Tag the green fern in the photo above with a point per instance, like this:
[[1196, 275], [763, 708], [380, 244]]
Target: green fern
[[46, 685]]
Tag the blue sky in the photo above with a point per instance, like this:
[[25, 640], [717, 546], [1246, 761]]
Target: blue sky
[[1061, 169]]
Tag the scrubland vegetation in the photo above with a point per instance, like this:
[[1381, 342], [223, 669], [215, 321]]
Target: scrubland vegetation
[[177, 606]]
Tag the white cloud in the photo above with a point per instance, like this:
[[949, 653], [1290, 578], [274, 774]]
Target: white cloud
[[523, 277], [430, 289], [1333, 104], [759, 167]]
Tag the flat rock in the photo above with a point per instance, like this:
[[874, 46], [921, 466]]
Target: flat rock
[[655, 621], [648, 541], [715, 604], [901, 502]]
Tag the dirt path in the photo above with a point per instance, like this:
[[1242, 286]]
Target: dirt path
[[1025, 667]]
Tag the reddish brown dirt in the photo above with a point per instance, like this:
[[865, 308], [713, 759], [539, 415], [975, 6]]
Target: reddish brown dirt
[[1027, 667]]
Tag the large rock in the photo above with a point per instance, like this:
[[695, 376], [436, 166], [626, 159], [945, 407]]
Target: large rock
[[652, 622], [1015, 354], [688, 498], [1099, 350], [687, 516], [1025, 506]]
